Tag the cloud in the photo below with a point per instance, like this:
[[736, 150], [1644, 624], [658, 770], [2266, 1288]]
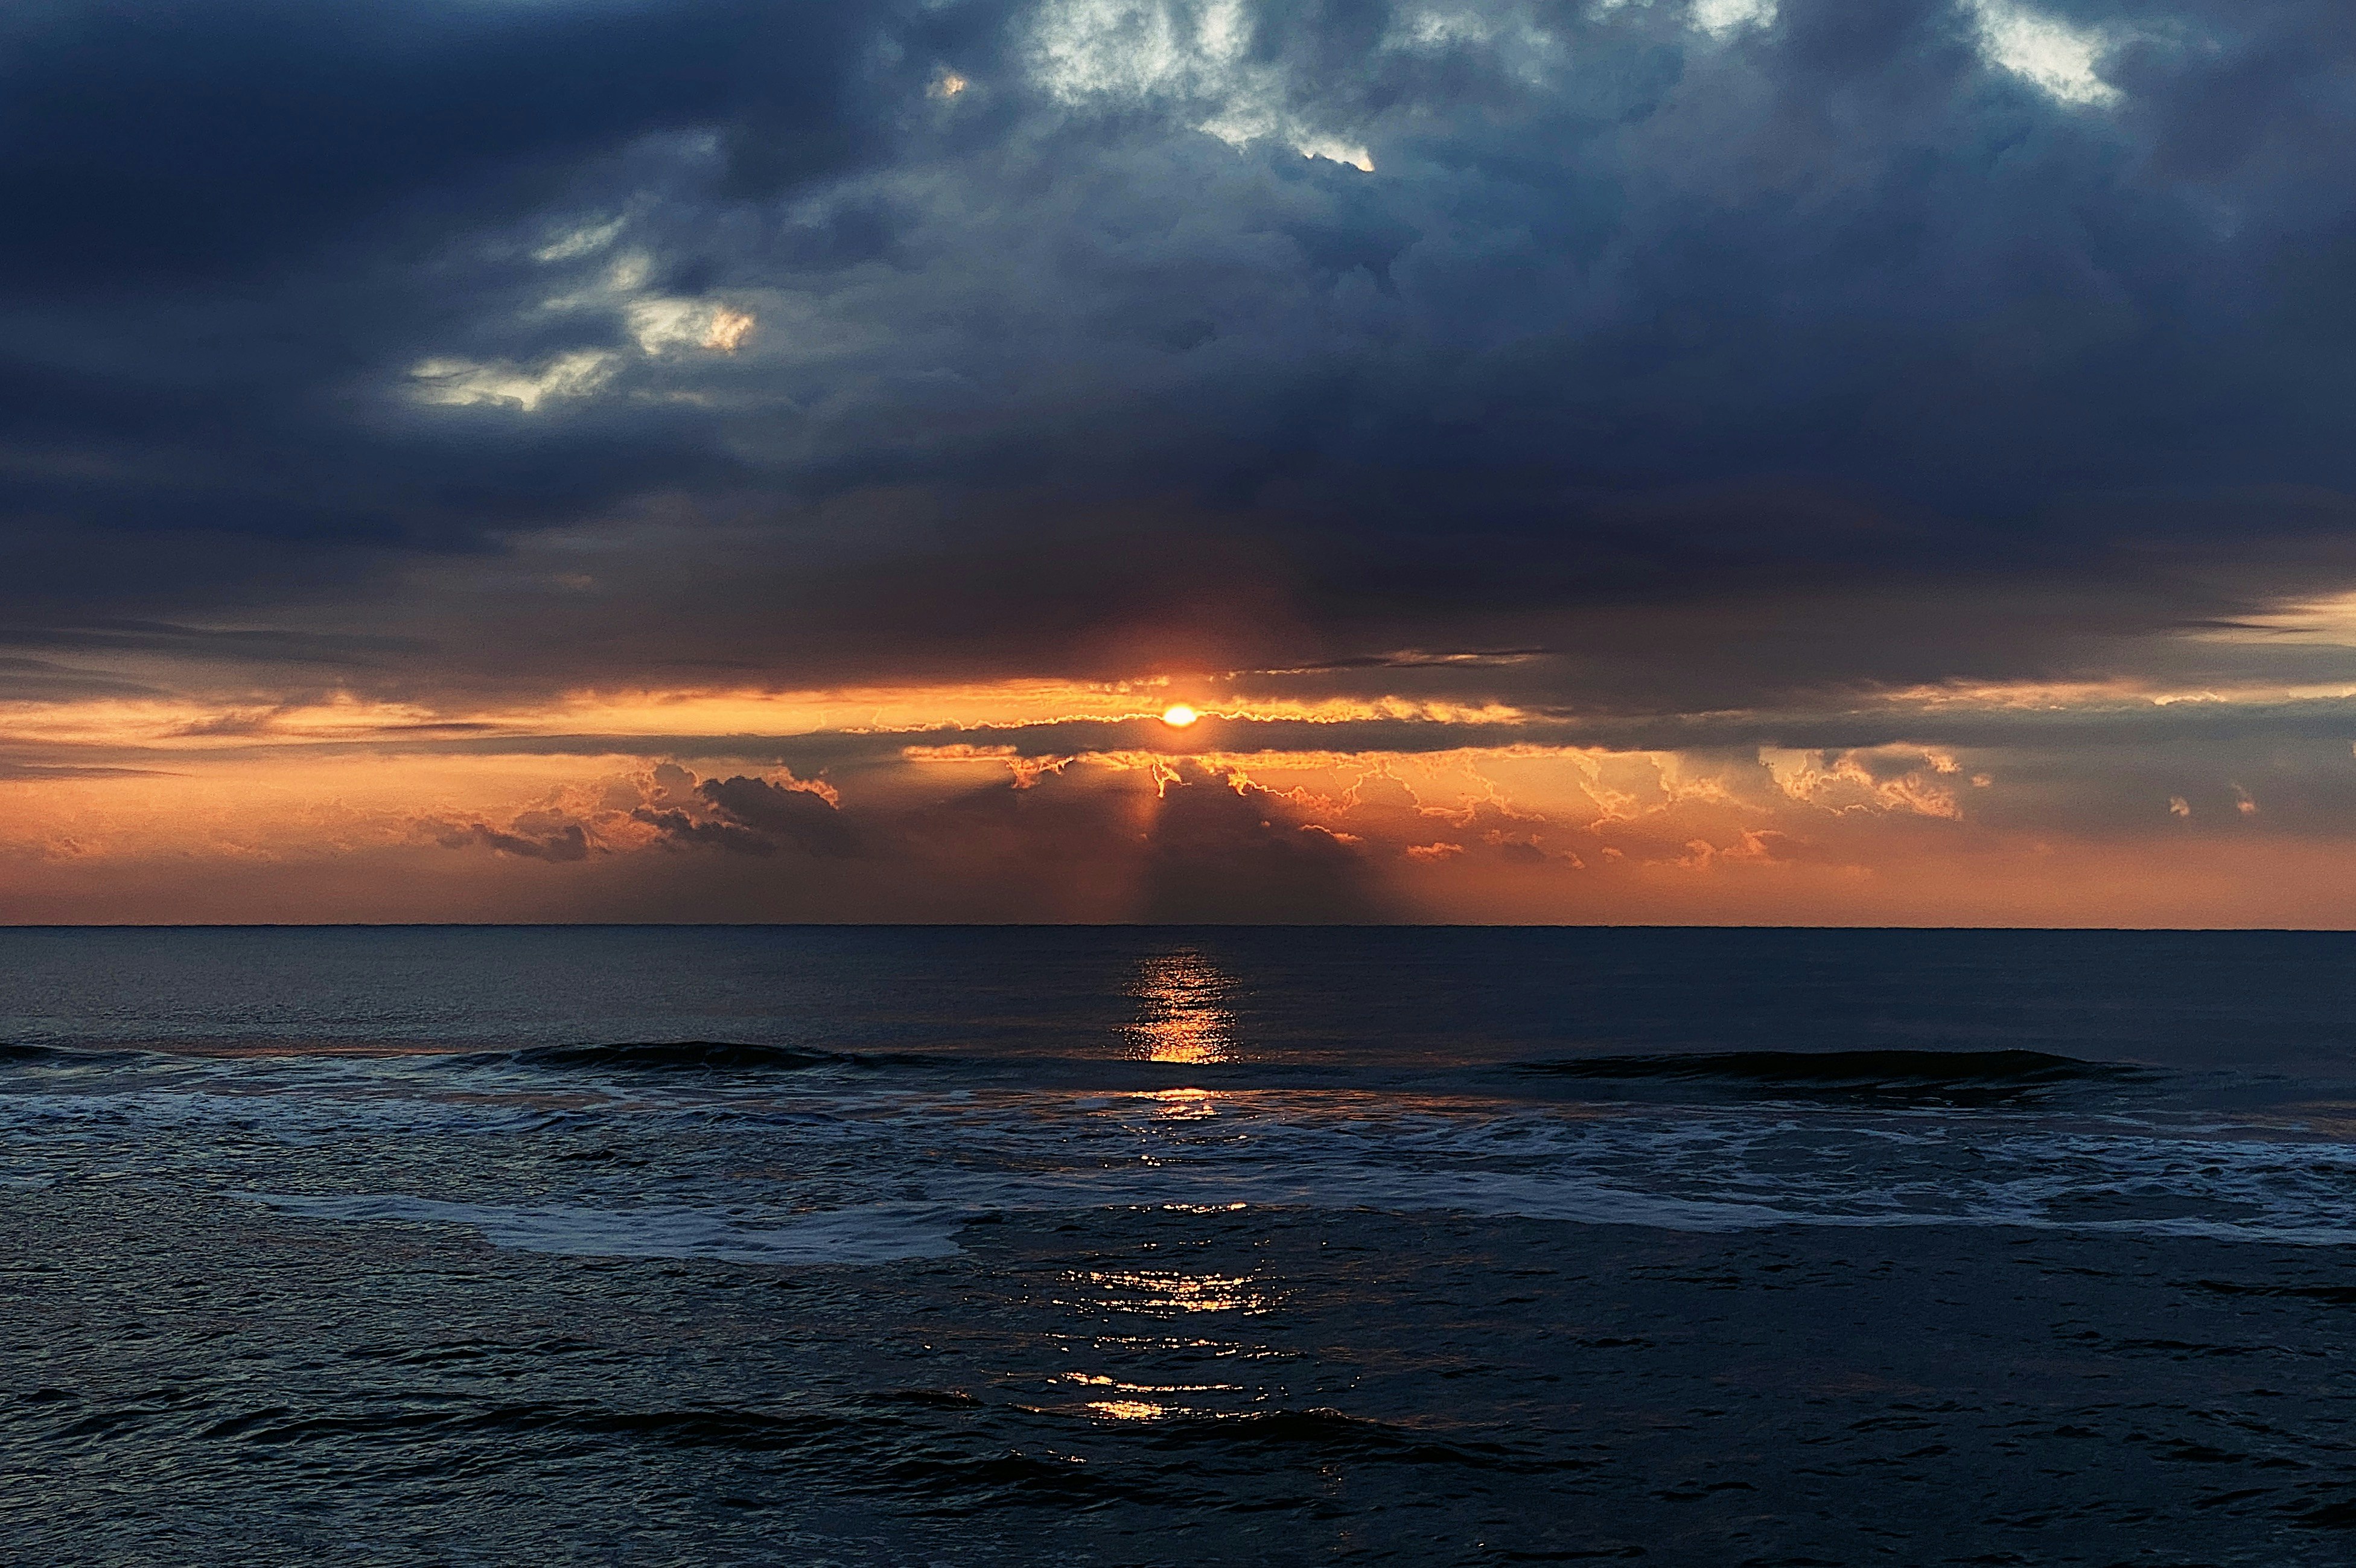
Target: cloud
[[205, 135], [759, 817], [678, 830], [2046, 49], [459, 381], [1223, 851], [1788, 305], [1107, 839], [37, 772], [41, 681], [1695, 379], [546, 841]]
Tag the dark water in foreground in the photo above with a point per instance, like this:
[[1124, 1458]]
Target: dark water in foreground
[[810, 1246]]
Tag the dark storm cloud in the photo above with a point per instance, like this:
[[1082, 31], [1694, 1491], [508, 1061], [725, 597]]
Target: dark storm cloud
[[754, 816], [175, 141], [681, 830], [1221, 853], [1085, 841], [228, 216], [567, 842], [247, 645], [799, 817], [1826, 350], [1192, 846]]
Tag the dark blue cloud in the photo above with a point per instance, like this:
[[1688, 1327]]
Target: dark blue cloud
[[1712, 338], [175, 141]]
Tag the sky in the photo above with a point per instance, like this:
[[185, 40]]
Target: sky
[[1646, 461]]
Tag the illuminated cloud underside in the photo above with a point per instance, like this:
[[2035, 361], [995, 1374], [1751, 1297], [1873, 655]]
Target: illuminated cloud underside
[[1035, 800]]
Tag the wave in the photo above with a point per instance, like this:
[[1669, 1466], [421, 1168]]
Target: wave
[[706, 1426], [2334, 1295], [1910, 1073], [690, 1055], [14, 1053], [1334, 1435], [861, 1233]]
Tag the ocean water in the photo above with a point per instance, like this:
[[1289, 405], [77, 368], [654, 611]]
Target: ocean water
[[869, 1246]]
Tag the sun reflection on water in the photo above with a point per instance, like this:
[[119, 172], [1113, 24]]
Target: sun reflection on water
[[1181, 1104], [1118, 1400], [1127, 1401], [1128, 1410], [1167, 1292], [1179, 994]]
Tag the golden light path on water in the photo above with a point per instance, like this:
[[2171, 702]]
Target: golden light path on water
[[1165, 1294], [1179, 995], [1182, 1019]]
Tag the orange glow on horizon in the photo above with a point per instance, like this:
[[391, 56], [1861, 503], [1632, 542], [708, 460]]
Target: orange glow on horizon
[[180, 725]]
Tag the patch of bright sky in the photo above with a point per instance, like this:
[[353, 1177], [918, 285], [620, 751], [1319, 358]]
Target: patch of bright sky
[[1512, 39], [658, 324], [1085, 51], [188, 725], [1014, 703], [1910, 781], [1438, 29], [2330, 622], [584, 240], [461, 382], [191, 725], [2054, 54], [1720, 18]]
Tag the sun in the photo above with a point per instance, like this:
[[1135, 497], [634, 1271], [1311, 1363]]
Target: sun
[[1178, 715]]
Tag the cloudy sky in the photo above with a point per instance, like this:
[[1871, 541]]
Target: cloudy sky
[[1638, 460]]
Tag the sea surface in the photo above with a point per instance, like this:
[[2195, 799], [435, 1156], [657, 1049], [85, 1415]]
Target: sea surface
[[888, 1246]]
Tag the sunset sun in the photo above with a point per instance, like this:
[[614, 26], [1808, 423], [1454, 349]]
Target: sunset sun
[[1178, 715]]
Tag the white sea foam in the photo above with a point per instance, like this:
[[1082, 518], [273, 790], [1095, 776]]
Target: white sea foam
[[801, 1173], [1691, 1169]]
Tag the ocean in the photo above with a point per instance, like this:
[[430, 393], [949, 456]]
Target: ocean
[[1138, 1246]]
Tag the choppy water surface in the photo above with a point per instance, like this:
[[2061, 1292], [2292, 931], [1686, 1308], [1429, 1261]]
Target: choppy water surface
[[717, 1246]]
